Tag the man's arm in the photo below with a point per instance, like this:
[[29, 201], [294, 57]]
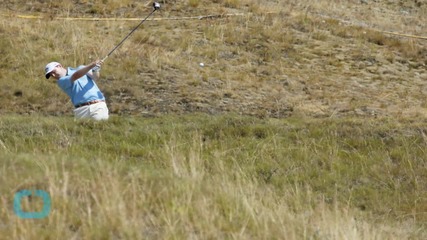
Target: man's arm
[[84, 70]]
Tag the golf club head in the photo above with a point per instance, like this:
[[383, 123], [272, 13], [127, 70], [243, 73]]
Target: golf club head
[[156, 6]]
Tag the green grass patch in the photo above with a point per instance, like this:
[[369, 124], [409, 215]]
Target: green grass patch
[[216, 177]]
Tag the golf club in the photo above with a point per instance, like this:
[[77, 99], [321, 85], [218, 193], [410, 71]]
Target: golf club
[[156, 6]]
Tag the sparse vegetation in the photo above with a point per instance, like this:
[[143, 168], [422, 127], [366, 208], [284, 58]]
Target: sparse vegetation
[[307, 120], [250, 55]]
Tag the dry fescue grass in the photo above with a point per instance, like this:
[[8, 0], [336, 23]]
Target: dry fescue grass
[[278, 59], [204, 177]]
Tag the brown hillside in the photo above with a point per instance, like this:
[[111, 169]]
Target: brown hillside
[[262, 58]]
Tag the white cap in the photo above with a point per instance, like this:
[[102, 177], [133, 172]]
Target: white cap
[[49, 68]]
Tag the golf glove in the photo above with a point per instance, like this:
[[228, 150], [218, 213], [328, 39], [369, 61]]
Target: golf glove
[[96, 68]]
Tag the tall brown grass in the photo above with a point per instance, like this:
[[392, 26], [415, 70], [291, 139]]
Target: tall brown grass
[[230, 177]]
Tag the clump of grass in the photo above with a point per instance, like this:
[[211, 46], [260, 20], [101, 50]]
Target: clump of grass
[[231, 3], [194, 3]]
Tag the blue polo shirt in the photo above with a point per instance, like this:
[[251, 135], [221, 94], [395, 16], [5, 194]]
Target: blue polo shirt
[[82, 90]]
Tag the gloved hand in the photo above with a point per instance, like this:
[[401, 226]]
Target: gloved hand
[[97, 68]]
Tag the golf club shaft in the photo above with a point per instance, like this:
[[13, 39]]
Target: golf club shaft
[[118, 45]]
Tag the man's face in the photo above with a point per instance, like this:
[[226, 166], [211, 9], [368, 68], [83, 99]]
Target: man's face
[[58, 72]]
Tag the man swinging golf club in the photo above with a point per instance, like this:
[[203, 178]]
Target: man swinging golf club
[[79, 84]]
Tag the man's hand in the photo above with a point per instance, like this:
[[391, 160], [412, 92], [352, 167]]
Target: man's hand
[[85, 70], [97, 67]]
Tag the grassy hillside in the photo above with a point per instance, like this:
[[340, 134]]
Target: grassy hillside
[[307, 120], [275, 59], [223, 177]]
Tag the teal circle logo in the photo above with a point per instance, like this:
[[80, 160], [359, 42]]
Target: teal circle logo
[[17, 208]]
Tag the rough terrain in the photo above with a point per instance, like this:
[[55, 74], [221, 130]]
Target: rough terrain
[[276, 59]]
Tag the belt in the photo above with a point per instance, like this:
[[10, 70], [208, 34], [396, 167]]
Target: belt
[[89, 103]]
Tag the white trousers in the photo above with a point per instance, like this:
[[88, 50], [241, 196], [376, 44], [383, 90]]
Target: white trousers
[[97, 111]]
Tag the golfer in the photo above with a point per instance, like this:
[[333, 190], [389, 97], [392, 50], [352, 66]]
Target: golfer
[[79, 84]]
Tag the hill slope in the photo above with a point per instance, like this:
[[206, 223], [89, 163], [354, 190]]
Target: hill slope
[[271, 59]]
